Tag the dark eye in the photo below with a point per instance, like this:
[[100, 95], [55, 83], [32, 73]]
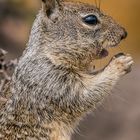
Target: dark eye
[[90, 19]]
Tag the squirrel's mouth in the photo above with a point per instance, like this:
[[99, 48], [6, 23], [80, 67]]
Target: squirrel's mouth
[[103, 52]]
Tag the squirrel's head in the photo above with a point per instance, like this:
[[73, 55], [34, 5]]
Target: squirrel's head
[[78, 30]]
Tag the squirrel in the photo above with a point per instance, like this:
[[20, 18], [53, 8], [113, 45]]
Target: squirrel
[[54, 84]]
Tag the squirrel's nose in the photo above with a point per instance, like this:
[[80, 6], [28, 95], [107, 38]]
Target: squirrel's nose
[[124, 35]]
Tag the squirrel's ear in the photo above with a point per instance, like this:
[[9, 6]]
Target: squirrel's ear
[[49, 6]]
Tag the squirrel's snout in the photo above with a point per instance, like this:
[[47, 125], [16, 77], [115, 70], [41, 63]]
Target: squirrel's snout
[[124, 35]]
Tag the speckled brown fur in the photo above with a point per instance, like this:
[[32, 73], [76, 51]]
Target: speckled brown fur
[[52, 88]]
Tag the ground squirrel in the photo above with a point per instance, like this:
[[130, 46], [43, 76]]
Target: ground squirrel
[[53, 85]]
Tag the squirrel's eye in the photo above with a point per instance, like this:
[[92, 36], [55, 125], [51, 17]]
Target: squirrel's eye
[[90, 19]]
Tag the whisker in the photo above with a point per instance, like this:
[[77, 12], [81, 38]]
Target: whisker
[[120, 49], [100, 64], [113, 52], [99, 4], [119, 96], [96, 3], [122, 99]]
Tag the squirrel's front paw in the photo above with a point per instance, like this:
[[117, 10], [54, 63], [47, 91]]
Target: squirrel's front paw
[[120, 64]]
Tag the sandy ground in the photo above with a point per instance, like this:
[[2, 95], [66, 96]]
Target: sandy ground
[[119, 117]]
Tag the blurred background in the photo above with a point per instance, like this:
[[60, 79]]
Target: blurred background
[[119, 117]]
